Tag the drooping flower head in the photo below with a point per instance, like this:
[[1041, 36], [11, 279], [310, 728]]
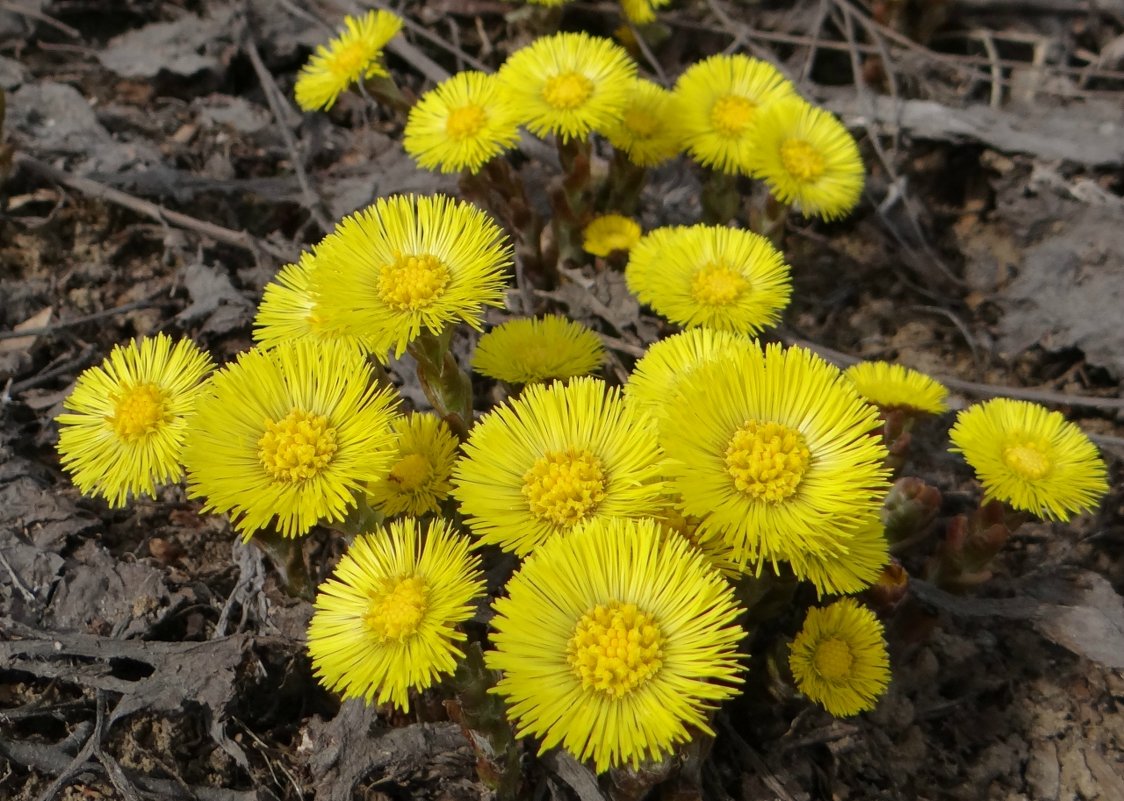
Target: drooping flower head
[[538, 349], [615, 581], [1030, 457], [462, 123], [718, 100], [777, 457], [385, 623], [557, 456], [288, 436], [892, 386], [854, 563], [610, 233], [648, 129], [569, 84], [406, 263], [807, 158], [839, 658], [716, 277], [124, 429], [355, 55], [418, 479]]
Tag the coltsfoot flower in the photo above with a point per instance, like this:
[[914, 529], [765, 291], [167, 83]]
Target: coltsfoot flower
[[406, 263], [615, 581], [385, 623], [648, 130], [716, 277], [1030, 457], [569, 84], [353, 56], [418, 480], [892, 386], [807, 158], [557, 456], [610, 233], [839, 658], [718, 99], [538, 349], [461, 124], [856, 562], [288, 436], [126, 419], [777, 456]]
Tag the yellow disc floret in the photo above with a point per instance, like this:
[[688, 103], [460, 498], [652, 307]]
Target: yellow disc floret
[[767, 460], [833, 658], [803, 162], [717, 285], [615, 648], [1027, 458], [297, 447], [567, 91], [412, 282], [397, 611], [563, 487], [139, 411], [731, 114]]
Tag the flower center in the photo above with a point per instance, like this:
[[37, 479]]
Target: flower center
[[350, 60], [465, 122], [833, 659], [717, 285], [1027, 459], [139, 411], [411, 472], [567, 91], [412, 282], [802, 161], [640, 123], [732, 114], [767, 460], [298, 447], [615, 648], [397, 611], [563, 487]]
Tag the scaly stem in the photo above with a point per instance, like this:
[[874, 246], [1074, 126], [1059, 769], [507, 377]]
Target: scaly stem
[[720, 198], [287, 555], [447, 387]]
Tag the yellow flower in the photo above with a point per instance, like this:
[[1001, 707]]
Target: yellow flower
[[407, 263], [386, 621], [640, 12], [462, 123], [290, 310], [524, 350], [609, 233], [776, 456], [289, 435], [807, 158], [127, 418], [713, 550], [569, 84], [715, 277], [839, 658], [557, 456], [646, 257], [615, 581], [648, 129], [892, 386], [418, 480], [718, 100], [1030, 457], [854, 564], [353, 56], [652, 385]]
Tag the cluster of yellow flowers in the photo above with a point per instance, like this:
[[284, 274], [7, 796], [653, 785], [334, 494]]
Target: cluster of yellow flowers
[[633, 510]]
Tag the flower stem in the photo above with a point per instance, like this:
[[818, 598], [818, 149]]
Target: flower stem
[[447, 387], [287, 555], [720, 198]]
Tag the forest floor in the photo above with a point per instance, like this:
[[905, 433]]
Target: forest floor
[[161, 175]]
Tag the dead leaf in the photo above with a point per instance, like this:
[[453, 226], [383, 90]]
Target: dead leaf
[[186, 46], [24, 344]]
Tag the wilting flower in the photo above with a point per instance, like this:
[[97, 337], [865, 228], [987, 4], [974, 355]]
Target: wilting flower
[[610, 233], [892, 386], [418, 480], [528, 349], [354, 55]]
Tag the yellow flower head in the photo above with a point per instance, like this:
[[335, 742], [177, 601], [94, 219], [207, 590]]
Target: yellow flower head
[[289, 435], [386, 621], [127, 418], [718, 100], [807, 158], [716, 277], [652, 385], [839, 658], [892, 386], [615, 642], [418, 479], [856, 562], [462, 123], [640, 12], [609, 233], [524, 350], [407, 263], [569, 84], [353, 56], [1031, 458], [776, 456], [646, 257], [648, 129], [557, 456]]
